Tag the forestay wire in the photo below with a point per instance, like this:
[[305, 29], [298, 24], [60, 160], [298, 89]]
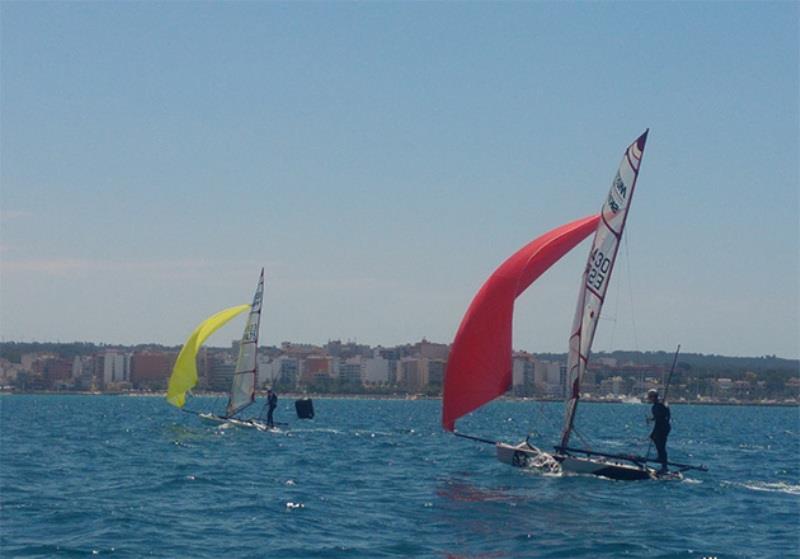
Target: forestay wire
[[547, 418], [630, 290]]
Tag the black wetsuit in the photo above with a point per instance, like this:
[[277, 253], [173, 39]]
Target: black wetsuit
[[272, 403], [661, 416]]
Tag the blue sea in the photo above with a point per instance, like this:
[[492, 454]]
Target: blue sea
[[121, 476]]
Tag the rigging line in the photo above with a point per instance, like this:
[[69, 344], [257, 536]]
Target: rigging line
[[630, 291], [616, 313], [547, 418], [671, 370], [583, 439], [215, 404], [189, 397]]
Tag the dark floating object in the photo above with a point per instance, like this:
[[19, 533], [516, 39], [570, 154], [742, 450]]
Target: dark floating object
[[304, 408]]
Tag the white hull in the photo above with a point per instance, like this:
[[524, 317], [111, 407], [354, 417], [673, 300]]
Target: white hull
[[246, 423], [525, 456]]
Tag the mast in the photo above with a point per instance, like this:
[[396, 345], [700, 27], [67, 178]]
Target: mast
[[243, 387], [597, 274]]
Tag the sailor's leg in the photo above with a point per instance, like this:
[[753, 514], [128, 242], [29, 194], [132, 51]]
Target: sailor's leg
[[660, 442]]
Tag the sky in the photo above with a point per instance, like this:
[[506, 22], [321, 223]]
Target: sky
[[380, 160]]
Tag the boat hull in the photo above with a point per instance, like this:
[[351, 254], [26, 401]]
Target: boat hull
[[524, 456], [245, 423]]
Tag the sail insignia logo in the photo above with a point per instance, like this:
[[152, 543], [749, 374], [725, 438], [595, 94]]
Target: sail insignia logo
[[619, 187], [612, 204], [250, 333]]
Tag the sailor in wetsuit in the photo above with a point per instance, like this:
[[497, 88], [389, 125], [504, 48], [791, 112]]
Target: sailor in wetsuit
[[272, 403], [661, 429]]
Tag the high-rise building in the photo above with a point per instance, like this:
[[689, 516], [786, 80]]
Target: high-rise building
[[432, 350], [83, 371], [151, 369], [410, 373], [549, 378], [288, 372], [436, 369], [57, 372], [523, 379], [376, 369], [393, 356], [350, 371], [115, 367], [316, 369], [345, 350], [220, 376]]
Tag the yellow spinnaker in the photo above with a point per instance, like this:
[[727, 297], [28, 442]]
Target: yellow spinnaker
[[184, 373]]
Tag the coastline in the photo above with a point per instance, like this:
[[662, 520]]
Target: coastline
[[323, 396]]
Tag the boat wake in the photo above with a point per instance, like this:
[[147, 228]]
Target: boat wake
[[319, 430], [691, 480], [771, 487], [544, 463], [249, 424], [529, 457]]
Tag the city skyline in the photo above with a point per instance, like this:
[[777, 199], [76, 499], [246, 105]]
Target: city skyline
[[380, 161], [414, 368]]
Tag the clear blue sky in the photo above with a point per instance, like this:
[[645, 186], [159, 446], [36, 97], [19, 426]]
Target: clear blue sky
[[381, 159]]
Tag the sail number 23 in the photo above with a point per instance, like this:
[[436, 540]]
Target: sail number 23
[[599, 265]]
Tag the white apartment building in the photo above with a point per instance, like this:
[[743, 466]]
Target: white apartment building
[[116, 367], [376, 369]]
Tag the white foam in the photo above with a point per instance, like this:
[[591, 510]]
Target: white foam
[[774, 487]]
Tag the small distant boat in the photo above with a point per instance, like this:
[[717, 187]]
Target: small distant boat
[[243, 387], [479, 365]]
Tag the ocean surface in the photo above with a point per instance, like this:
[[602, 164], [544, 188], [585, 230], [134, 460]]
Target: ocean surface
[[121, 476]]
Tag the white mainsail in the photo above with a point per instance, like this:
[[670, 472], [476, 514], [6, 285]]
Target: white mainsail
[[243, 389], [597, 274]]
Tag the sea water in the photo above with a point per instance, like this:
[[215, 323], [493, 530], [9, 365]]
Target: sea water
[[120, 476]]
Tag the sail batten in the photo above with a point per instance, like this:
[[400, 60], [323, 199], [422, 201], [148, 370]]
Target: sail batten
[[597, 274], [479, 365]]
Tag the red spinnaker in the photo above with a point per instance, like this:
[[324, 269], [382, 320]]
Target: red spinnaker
[[479, 365]]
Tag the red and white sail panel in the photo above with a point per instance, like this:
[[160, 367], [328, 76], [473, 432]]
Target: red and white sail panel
[[597, 274]]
